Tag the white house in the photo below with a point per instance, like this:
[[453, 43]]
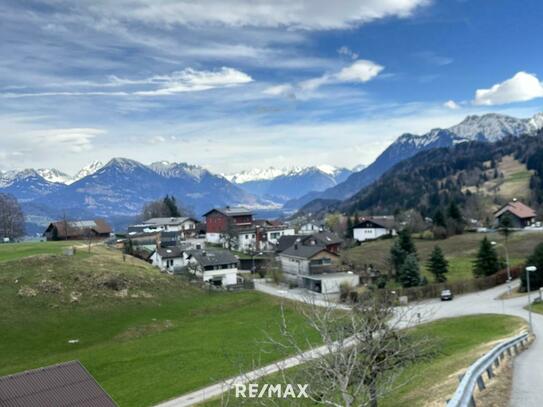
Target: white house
[[301, 260], [168, 259], [218, 267], [374, 228], [309, 229], [180, 224]]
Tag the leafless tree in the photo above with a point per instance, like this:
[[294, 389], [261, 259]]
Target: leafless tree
[[11, 217], [231, 235], [364, 352]]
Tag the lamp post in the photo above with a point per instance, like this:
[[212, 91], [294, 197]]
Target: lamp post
[[506, 264], [529, 269]]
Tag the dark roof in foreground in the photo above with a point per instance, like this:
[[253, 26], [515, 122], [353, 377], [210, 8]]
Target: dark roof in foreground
[[66, 384], [303, 251], [286, 241], [213, 257]]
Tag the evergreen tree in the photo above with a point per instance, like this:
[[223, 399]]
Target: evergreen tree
[[439, 219], [438, 265], [406, 243], [171, 205], [505, 226], [487, 262], [397, 256], [410, 272], [536, 277], [350, 227]]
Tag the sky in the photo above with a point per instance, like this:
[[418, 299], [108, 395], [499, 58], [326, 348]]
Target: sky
[[236, 84]]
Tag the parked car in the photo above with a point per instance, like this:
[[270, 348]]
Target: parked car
[[446, 295]]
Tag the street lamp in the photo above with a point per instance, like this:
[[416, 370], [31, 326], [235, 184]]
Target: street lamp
[[506, 263], [529, 269]]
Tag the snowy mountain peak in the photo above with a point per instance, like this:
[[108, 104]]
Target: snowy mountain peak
[[88, 170], [178, 170], [123, 164], [54, 175], [270, 173]]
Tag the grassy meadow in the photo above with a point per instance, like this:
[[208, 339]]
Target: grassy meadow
[[145, 336], [459, 250]]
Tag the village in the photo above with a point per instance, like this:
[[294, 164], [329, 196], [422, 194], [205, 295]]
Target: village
[[230, 249]]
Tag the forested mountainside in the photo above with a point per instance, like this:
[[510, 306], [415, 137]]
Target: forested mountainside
[[475, 175]]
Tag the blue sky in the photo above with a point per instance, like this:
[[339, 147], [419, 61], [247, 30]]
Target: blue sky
[[232, 85]]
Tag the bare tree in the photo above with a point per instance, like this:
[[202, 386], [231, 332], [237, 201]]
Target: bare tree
[[11, 217], [364, 352]]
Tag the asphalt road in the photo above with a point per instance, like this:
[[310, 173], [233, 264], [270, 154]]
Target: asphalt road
[[528, 366]]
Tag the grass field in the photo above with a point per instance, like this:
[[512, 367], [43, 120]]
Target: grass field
[[459, 250], [458, 342], [143, 335], [12, 251]]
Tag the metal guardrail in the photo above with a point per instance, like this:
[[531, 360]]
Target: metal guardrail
[[463, 397]]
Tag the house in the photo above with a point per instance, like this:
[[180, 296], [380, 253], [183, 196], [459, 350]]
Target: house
[[309, 228], [330, 241], [217, 267], [329, 283], [185, 225], [301, 260], [374, 228], [65, 384], [78, 230], [520, 214], [264, 236], [169, 238], [169, 259], [222, 221], [286, 241]]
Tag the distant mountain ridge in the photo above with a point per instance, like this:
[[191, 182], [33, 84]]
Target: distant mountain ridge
[[486, 128]]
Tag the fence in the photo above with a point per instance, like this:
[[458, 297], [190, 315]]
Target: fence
[[463, 397]]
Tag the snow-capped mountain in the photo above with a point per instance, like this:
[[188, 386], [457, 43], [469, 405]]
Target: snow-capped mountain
[[486, 128], [54, 175], [280, 185], [26, 185], [179, 170], [88, 170]]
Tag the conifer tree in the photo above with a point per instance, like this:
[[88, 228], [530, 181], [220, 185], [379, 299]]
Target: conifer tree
[[410, 272], [438, 265], [487, 262]]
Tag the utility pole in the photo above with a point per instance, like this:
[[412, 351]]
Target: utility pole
[[509, 289], [529, 270]]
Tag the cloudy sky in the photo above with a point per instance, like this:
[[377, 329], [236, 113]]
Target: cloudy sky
[[236, 84]]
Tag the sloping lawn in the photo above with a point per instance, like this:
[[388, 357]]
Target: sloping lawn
[[143, 335], [12, 251]]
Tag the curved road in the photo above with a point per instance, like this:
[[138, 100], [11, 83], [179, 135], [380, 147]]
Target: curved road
[[528, 366]]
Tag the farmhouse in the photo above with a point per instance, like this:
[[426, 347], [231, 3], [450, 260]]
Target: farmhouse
[[220, 221], [65, 384], [218, 267], [78, 230], [186, 226], [520, 214], [309, 228], [374, 228]]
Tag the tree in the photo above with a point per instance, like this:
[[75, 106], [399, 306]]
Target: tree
[[350, 227], [455, 219], [162, 208], [406, 243], [487, 262], [505, 225], [439, 219], [11, 218], [171, 206], [410, 272], [364, 351], [438, 265], [397, 256], [536, 277]]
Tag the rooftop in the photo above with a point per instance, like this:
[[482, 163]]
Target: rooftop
[[212, 257], [518, 209], [231, 211], [166, 221]]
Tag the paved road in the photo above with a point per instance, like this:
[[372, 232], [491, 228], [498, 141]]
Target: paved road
[[528, 366]]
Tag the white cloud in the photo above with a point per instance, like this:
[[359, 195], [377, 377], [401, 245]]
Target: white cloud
[[361, 71], [346, 51], [520, 88], [451, 104], [278, 90], [304, 14], [74, 140]]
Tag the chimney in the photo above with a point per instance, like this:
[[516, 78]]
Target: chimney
[[295, 246]]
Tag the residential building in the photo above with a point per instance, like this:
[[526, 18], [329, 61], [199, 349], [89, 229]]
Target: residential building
[[185, 225], [169, 259], [224, 221], [65, 384], [78, 230], [520, 214], [301, 260], [217, 267], [309, 228], [374, 228], [330, 241]]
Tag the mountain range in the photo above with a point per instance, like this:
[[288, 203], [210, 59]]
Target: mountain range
[[281, 185], [486, 128]]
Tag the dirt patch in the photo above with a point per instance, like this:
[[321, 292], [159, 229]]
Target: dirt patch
[[144, 330], [27, 292]]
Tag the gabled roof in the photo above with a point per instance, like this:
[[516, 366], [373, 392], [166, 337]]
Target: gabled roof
[[305, 252], [380, 222], [66, 384], [173, 252], [167, 221], [231, 211], [79, 227], [213, 257], [326, 238], [518, 209], [286, 241]]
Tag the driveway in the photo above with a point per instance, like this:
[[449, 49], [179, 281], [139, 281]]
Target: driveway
[[528, 366]]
